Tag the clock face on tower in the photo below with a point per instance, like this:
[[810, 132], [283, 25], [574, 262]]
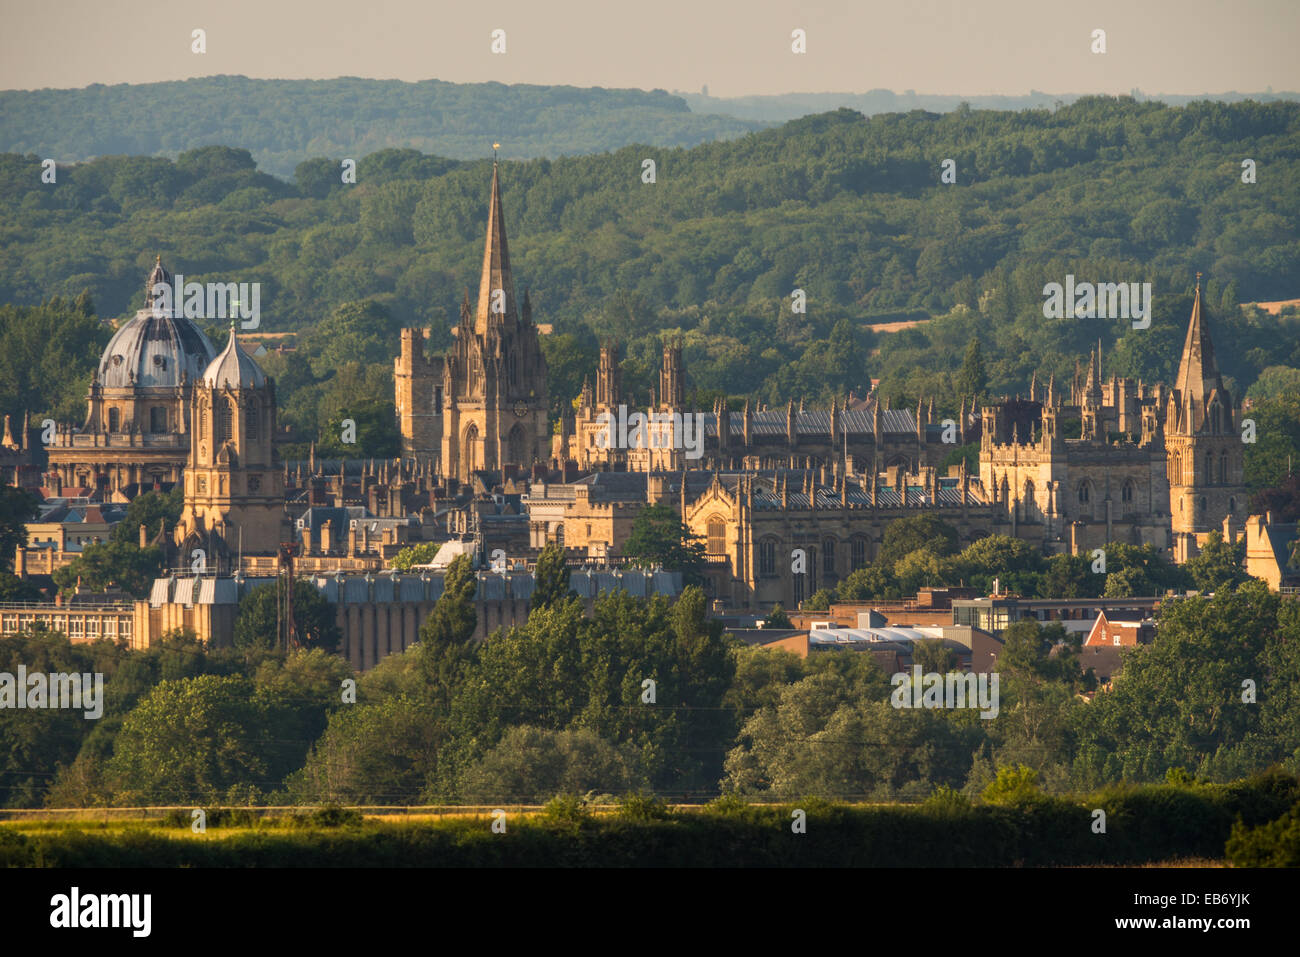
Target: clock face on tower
[[521, 408]]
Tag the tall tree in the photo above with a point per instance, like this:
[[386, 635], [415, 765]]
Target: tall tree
[[551, 577], [447, 634], [973, 379]]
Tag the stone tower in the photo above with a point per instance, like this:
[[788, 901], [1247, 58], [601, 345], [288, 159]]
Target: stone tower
[[609, 378], [1203, 438], [672, 385], [234, 485], [482, 407]]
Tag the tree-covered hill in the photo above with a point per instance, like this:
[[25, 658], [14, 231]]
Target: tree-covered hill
[[283, 122], [777, 108], [848, 209]]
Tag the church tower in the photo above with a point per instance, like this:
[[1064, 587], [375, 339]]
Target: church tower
[[1203, 440], [234, 485], [484, 407], [672, 385]]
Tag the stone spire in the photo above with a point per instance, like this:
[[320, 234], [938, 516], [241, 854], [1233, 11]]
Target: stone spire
[[496, 266], [1198, 374]]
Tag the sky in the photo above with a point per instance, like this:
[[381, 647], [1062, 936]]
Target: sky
[[735, 47]]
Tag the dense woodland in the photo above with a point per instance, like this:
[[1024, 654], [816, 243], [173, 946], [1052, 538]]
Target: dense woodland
[[558, 706], [850, 210], [283, 122]]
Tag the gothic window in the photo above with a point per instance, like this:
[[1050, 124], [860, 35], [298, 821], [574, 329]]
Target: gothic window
[[517, 446], [225, 428], [471, 449], [203, 422], [437, 399], [1223, 468], [767, 559], [1209, 468], [1084, 493], [250, 425], [1232, 506], [1126, 493], [114, 420], [858, 553], [1202, 503], [798, 589], [157, 419], [828, 556], [254, 483], [717, 537]]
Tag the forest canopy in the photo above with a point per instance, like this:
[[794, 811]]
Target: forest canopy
[[850, 210]]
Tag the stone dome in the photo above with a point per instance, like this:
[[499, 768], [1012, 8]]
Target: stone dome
[[151, 351], [234, 368]]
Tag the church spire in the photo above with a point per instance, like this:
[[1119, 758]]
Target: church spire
[[496, 291], [1198, 373]]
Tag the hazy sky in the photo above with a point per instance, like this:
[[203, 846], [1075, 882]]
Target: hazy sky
[[737, 47]]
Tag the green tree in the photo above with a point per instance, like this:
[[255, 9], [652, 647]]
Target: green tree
[[192, 741], [531, 765], [123, 565], [659, 538], [17, 508], [1218, 564], [411, 555], [973, 379], [925, 533], [933, 655], [377, 752], [550, 577], [154, 510], [314, 618], [777, 618], [446, 637]]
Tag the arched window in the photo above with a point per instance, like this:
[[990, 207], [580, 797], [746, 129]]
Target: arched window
[[225, 424], [517, 446], [157, 419], [250, 425], [717, 536], [1203, 506], [114, 420], [1084, 493], [1223, 468], [1032, 512], [858, 553], [767, 558], [828, 556], [1232, 506], [1126, 493], [469, 449], [1209, 468]]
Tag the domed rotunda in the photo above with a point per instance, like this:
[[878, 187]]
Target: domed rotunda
[[136, 434]]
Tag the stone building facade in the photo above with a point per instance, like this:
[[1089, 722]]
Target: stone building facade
[[1151, 465]]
